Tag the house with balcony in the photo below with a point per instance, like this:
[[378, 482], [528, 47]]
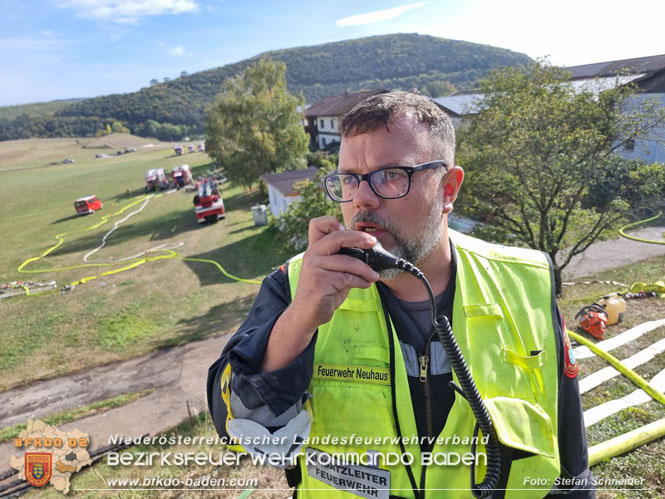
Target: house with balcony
[[323, 116]]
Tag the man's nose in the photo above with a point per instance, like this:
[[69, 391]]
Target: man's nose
[[365, 197]]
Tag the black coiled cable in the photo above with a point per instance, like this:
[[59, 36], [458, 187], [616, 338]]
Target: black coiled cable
[[470, 393], [468, 390]]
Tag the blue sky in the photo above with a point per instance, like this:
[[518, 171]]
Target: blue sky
[[59, 49]]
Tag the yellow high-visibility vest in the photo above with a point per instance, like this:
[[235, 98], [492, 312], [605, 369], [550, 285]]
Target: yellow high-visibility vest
[[361, 405]]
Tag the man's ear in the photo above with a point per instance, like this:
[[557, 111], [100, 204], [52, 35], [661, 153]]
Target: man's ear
[[451, 181]]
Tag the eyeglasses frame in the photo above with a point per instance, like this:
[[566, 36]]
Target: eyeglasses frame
[[410, 170]]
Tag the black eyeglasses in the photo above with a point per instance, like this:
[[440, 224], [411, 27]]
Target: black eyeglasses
[[391, 182]]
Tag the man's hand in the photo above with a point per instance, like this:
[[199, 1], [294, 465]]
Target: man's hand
[[324, 283], [327, 277]]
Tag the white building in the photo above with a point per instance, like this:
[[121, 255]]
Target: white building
[[647, 73], [323, 116], [281, 188], [327, 128]]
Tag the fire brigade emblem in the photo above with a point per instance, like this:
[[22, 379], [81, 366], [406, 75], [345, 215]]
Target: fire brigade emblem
[[570, 367], [46, 455], [38, 468]]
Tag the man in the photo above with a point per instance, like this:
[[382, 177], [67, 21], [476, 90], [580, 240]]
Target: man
[[332, 348]]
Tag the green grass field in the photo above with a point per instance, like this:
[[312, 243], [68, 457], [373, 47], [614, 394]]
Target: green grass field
[[157, 304]]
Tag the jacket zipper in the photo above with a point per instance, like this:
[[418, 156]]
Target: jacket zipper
[[423, 362]]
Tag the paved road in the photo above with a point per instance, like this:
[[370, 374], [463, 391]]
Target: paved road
[[608, 255], [178, 374]]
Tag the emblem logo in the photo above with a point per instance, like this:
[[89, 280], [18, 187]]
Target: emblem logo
[[38, 468], [49, 455], [570, 368]]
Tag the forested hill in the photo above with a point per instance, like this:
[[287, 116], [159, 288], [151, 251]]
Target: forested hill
[[390, 61], [170, 109]]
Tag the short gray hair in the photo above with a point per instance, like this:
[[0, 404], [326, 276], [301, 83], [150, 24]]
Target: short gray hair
[[384, 109]]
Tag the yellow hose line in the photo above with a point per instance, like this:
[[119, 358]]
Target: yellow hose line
[[61, 239], [221, 269], [625, 227], [621, 367], [626, 442], [114, 271], [130, 263]]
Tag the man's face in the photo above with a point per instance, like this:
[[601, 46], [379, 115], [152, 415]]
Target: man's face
[[410, 227]]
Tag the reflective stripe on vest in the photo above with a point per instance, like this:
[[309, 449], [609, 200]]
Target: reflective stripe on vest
[[503, 323]]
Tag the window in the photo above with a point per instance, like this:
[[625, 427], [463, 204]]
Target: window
[[629, 145], [322, 124], [332, 124], [323, 141]]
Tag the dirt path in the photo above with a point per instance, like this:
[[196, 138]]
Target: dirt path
[[178, 374]]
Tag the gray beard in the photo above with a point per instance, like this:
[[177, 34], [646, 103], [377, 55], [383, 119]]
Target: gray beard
[[414, 248]]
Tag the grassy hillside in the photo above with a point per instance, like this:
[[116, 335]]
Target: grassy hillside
[[118, 316], [403, 61]]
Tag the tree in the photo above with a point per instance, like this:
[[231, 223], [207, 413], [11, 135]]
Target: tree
[[439, 88], [254, 126], [168, 131], [543, 159], [154, 82], [294, 223], [150, 129], [118, 127]]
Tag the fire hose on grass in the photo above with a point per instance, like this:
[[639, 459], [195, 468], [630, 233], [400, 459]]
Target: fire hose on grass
[[130, 262], [593, 319], [640, 436], [132, 257]]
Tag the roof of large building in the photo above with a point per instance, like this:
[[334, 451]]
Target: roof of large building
[[465, 103], [460, 104], [644, 65], [596, 78], [285, 181], [339, 105], [602, 83]]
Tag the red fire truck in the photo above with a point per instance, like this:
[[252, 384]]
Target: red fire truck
[[156, 180], [208, 203], [88, 204], [181, 176]]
